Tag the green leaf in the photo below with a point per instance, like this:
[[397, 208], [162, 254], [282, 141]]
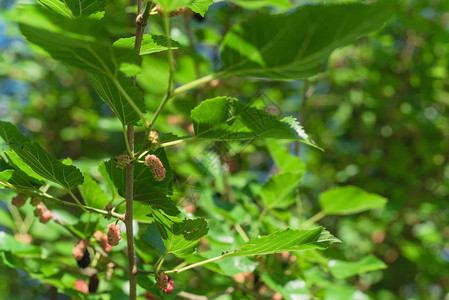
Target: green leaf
[[180, 237], [146, 189], [227, 119], [298, 44], [39, 160], [344, 269], [57, 6], [200, 6], [169, 5], [81, 43], [150, 44], [9, 243], [285, 161], [74, 8], [19, 164], [286, 240], [84, 8], [290, 288], [258, 4], [6, 175], [113, 97], [92, 193], [277, 192], [104, 173], [349, 200]]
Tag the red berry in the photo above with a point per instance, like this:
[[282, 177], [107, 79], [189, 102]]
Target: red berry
[[19, 200], [156, 167], [114, 235], [78, 250], [170, 287], [102, 240], [81, 286], [164, 282], [46, 216]]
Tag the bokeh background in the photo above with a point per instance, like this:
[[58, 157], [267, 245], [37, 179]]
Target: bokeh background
[[381, 112]]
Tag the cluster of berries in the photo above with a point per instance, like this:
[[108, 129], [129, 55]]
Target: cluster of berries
[[164, 282], [82, 256], [106, 241], [41, 210]]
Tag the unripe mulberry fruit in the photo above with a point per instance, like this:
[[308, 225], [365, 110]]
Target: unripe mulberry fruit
[[164, 283], [78, 250], [46, 216], [35, 200], [84, 262], [81, 286], [153, 139], [19, 200], [122, 161], [156, 167], [102, 240], [114, 235]]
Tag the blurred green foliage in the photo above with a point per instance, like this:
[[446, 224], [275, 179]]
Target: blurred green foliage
[[380, 112]]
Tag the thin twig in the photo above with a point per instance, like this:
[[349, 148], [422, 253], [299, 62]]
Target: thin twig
[[315, 218], [141, 22]]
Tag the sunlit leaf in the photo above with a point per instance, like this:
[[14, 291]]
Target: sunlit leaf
[[349, 200], [286, 240], [39, 160]]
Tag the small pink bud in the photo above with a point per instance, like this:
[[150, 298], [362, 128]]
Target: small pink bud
[[156, 168], [78, 250], [114, 235], [102, 240], [81, 286]]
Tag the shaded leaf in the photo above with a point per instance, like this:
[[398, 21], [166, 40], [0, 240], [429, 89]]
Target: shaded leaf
[[92, 193], [180, 237], [349, 200], [110, 93], [344, 269], [104, 173], [277, 192], [285, 161], [258, 4], [298, 44]]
